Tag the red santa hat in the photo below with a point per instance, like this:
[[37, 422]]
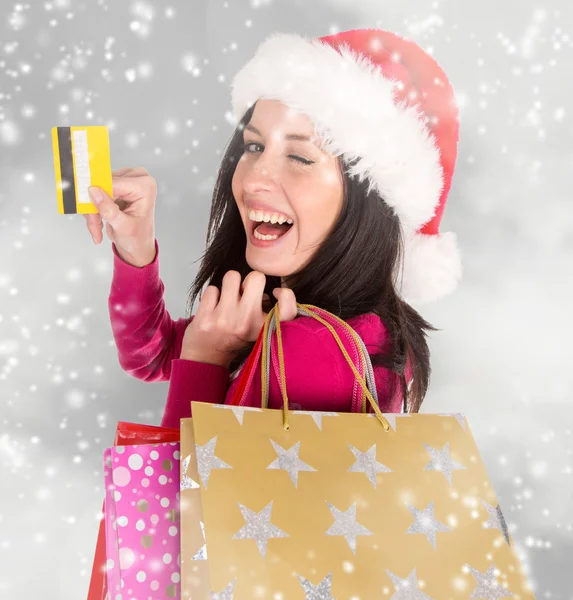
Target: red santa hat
[[387, 107]]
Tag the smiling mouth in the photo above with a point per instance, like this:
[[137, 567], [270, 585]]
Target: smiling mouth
[[266, 231]]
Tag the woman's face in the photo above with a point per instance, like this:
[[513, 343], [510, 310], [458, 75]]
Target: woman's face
[[289, 192]]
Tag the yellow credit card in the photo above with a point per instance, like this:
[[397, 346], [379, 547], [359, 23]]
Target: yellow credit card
[[81, 159]]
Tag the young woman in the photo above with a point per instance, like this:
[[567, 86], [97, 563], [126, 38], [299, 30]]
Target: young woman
[[330, 193]]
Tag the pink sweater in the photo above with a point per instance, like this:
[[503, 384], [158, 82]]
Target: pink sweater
[[318, 377]]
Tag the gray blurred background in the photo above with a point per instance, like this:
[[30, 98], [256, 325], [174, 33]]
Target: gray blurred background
[[157, 74]]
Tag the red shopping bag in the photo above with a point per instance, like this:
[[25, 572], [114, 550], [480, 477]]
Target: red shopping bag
[[127, 434]]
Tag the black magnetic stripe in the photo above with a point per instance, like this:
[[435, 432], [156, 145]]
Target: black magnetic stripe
[[67, 170]]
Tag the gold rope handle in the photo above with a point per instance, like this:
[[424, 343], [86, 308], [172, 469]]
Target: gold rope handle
[[281, 366], [362, 382], [282, 370], [353, 333]]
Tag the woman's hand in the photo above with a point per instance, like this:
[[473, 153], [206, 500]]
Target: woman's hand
[[229, 320], [129, 215]]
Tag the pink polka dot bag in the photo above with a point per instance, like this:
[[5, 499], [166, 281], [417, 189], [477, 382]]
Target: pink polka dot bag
[[142, 521]]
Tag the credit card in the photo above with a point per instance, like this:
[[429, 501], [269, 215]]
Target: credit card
[[81, 159]]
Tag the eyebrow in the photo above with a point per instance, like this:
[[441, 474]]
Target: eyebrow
[[291, 136]]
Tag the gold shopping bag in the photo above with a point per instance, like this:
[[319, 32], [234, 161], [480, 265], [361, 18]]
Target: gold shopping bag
[[194, 568], [302, 505]]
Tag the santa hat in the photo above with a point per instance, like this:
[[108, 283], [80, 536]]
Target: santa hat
[[388, 108]]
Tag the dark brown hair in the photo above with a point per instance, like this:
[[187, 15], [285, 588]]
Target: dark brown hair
[[350, 274]]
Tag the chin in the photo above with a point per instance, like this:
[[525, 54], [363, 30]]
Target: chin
[[267, 265]]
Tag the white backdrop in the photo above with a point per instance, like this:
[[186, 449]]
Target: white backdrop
[[157, 75]]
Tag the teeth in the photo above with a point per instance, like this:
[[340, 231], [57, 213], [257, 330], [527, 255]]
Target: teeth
[[264, 237], [259, 216]]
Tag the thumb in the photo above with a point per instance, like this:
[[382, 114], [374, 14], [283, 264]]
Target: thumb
[[106, 206], [287, 303]]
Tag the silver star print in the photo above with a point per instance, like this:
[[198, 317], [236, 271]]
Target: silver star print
[[426, 523], [206, 460], [442, 462], [487, 588], [345, 524], [258, 527], [496, 520], [289, 461], [317, 592], [186, 482], [366, 463], [201, 554], [457, 416], [238, 411], [316, 416], [225, 594], [406, 589]]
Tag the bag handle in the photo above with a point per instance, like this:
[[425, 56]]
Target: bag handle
[[365, 362], [311, 309], [248, 370]]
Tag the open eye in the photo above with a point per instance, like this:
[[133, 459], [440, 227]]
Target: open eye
[[248, 145]]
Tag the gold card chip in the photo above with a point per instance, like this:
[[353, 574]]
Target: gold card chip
[[81, 159]]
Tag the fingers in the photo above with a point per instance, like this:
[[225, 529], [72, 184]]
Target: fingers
[[110, 232], [136, 184], [95, 227], [129, 172], [120, 172], [209, 301], [287, 303], [253, 288], [230, 291], [107, 208]]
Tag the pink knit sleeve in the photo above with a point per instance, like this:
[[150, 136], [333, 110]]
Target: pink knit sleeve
[[193, 381], [146, 336]]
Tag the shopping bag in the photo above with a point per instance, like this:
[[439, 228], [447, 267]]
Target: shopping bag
[[142, 520], [129, 434], [359, 505], [126, 434], [195, 583]]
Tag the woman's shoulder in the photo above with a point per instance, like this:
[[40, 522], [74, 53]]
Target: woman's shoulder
[[367, 322], [372, 329]]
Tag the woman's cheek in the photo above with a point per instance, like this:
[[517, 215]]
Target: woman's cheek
[[237, 181]]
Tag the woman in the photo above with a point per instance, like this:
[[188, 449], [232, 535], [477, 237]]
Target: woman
[[330, 193]]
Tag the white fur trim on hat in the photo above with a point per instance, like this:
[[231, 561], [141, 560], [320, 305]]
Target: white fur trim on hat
[[431, 268], [352, 106]]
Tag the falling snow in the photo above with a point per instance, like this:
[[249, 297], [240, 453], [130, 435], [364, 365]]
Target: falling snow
[[157, 76]]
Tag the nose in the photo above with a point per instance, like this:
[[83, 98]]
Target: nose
[[261, 175]]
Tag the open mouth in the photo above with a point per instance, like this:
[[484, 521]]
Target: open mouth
[[267, 227], [269, 231]]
